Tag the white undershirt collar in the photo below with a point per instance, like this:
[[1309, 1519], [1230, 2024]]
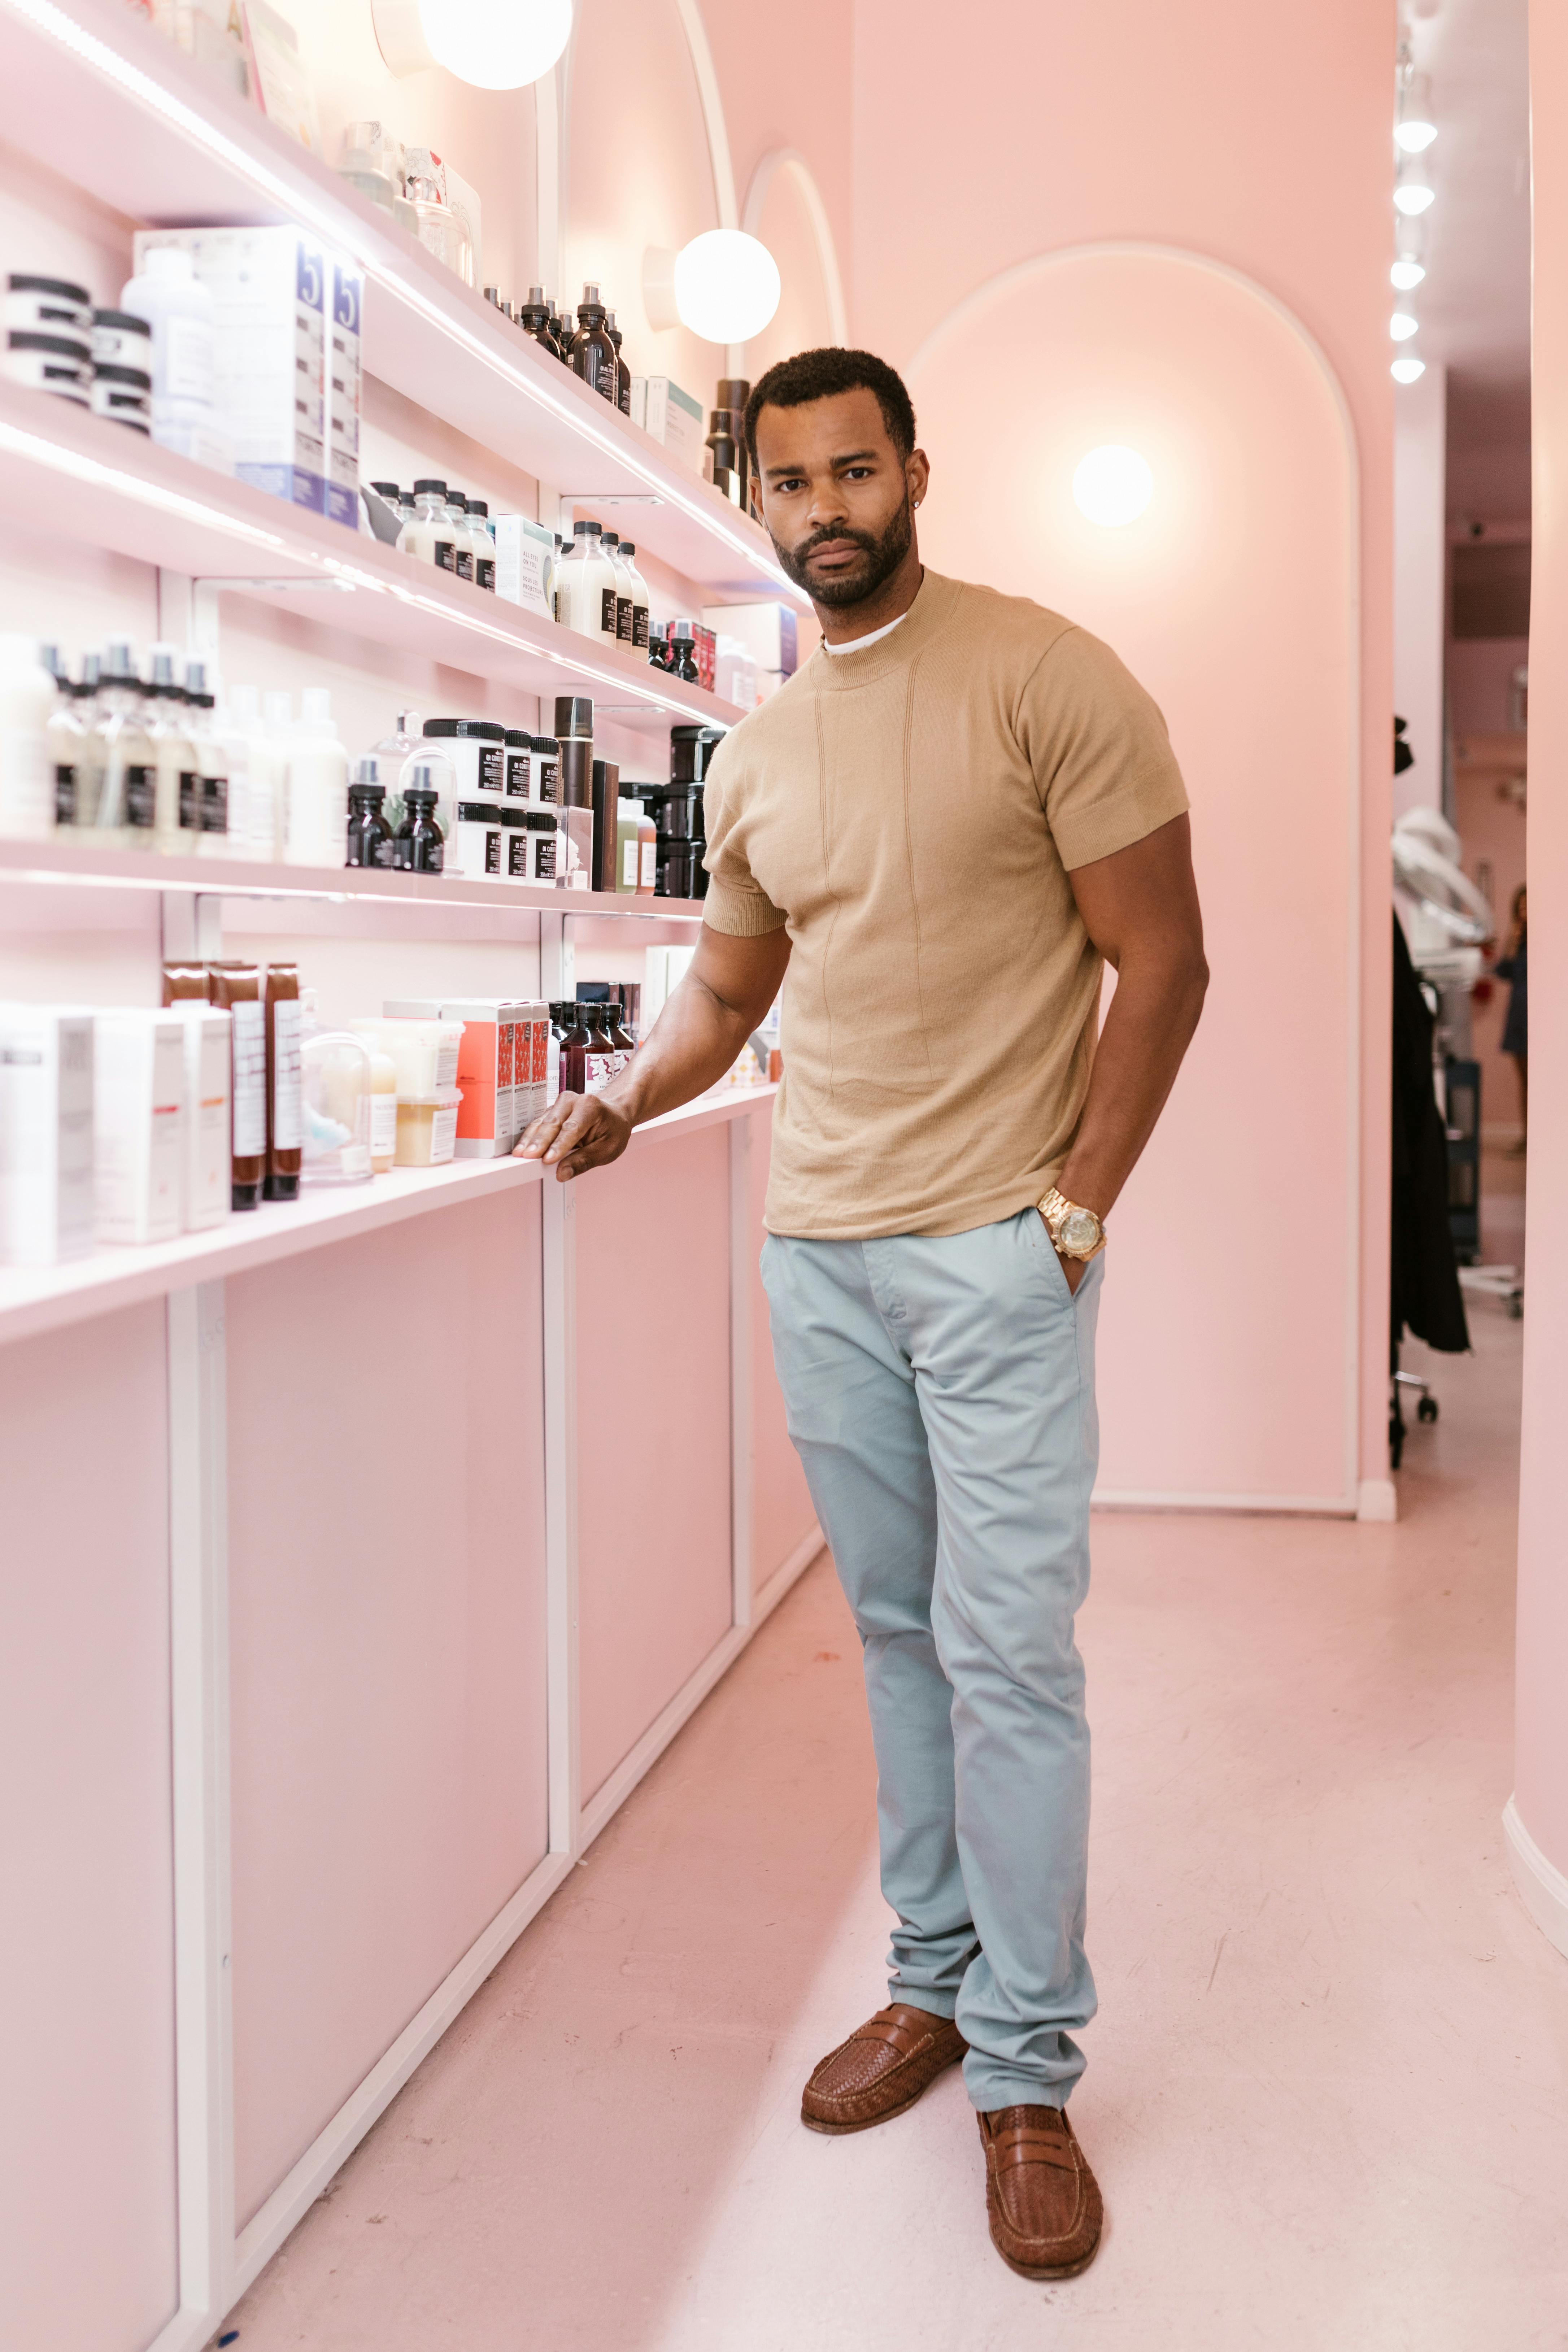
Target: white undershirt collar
[[859, 644]]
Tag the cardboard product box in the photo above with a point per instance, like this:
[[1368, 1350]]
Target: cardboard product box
[[207, 1047], [767, 630], [525, 563], [672, 416], [270, 289], [138, 1125], [45, 1134], [340, 502]]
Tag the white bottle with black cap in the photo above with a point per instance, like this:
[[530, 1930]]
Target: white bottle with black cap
[[428, 534], [611, 542], [640, 607], [588, 579], [482, 544]]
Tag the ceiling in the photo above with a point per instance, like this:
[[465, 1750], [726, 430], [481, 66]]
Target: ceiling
[[1474, 305]]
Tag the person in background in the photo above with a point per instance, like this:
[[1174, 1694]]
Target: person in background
[[1514, 967], [940, 829]]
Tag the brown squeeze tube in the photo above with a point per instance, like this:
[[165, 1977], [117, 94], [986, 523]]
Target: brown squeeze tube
[[283, 1158], [235, 989], [182, 981]]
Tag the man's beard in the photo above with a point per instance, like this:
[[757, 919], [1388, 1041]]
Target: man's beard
[[883, 555]]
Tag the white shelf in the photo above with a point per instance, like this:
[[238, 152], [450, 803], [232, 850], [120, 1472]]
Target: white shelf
[[43, 1298], [114, 108], [63, 470], [72, 858]]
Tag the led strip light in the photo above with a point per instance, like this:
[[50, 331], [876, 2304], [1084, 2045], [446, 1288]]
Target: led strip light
[[340, 231]]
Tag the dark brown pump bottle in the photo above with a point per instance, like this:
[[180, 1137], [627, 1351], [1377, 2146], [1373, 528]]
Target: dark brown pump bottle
[[285, 1127], [622, 372], [235, 989], [574, 1049], [592, 354]]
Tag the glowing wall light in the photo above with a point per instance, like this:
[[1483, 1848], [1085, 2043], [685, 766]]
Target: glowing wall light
[[1112, 485], [1401, 326], [1407, 368], [724, 286], [490, 44]]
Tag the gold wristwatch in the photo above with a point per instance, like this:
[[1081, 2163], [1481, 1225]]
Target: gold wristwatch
[[1074, 1232]]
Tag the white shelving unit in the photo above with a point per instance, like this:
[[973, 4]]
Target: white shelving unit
[[67, 857], [43, 1298], [62, 469], [103, 104], [114, 108]]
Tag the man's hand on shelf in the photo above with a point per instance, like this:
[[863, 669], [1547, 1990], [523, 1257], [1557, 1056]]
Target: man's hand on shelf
[[576, 1133]]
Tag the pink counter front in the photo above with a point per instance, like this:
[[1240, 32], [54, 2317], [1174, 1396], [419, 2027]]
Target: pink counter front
[[347, 1593]]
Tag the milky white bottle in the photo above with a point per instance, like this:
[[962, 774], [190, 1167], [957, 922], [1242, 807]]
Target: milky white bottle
[[127, 804], [428, 532], [640, 609], [90, 755], [586, 587], [268, 787], [316, 830], [177, 814], [236, 728], [28, 697], [179, 309]]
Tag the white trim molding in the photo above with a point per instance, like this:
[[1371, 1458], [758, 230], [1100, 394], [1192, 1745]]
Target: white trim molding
[[1543, 1889], [792, 163]]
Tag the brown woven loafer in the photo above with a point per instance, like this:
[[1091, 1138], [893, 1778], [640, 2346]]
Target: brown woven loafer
[[1043, 2199], [881, 2069]]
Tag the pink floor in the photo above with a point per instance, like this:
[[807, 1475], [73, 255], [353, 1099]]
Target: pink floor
[[1327, 2086]]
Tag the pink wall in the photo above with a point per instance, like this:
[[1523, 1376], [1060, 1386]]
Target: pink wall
[[1259, 138], [1541, 1783], [87, 2078], [386, 1539]]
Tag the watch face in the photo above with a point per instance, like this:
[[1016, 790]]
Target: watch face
[[1079, 1232]]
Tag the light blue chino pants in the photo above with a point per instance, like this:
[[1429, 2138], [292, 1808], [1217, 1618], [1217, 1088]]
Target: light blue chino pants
[[941, 1396]]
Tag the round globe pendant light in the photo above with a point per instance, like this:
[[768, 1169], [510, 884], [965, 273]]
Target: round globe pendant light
[[727, 285], [496, 44], [1112, 485]]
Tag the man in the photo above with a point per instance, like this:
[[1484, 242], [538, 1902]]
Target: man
[[939, 828]]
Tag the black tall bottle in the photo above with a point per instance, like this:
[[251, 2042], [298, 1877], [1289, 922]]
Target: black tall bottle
[[622, 372], [592, 354], [533, 317]]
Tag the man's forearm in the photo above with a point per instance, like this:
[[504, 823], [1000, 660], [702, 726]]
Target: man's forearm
[[693, 1043], [1147, 1029]]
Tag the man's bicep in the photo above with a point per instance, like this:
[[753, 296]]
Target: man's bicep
[[744, 971], [1145, 892]]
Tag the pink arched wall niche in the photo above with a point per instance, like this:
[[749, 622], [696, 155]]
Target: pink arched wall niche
[[1234, 1251], [1258, 139]]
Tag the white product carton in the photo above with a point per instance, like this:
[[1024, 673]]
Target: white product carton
[[138, 1125], [45, 1134], [767, 631], [672, 416], [340, 503], [525, 563], [208, 1164], [487, 1123], [269, 295]]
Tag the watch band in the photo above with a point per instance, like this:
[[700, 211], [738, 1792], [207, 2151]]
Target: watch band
[[1059, 1214]]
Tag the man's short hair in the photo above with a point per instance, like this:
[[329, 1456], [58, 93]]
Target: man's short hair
[[819, 376]]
